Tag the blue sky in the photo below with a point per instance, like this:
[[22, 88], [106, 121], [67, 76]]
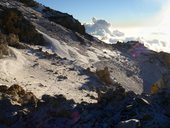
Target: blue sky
[[118, 12], [147, 19]]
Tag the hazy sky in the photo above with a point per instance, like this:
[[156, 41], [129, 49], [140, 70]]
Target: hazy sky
[[118, 12]]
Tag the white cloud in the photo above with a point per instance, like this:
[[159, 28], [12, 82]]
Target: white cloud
[[103, 30], [156, 38]]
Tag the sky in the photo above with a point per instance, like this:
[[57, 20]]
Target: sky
[[118, 12], [144, 19]]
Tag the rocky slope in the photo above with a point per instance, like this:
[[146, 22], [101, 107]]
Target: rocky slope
[[115, 109], [75, 79]]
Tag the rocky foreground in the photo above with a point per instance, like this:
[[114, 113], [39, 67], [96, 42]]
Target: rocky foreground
[[115, 109]]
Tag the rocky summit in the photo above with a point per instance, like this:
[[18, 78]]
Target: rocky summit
[[55, 75]]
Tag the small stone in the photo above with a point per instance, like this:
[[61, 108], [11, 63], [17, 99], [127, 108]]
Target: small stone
[[61, 77], [142, 101], [132, 123]]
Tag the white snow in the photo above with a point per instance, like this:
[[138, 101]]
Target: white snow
[[40, 77]]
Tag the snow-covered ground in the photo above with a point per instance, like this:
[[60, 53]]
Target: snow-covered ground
[[72, 53], [42, 75]]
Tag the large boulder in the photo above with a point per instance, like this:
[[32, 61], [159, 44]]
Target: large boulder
[[29, 3], [15, 102], [64, 19], [12, 21], [4, 50]]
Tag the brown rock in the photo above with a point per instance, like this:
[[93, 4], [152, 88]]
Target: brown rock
[[30, 98], [16, 90], [104, 75], [165, 57], [3, 89]]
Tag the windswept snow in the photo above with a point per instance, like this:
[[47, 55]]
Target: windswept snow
[[65, 72], [42, 77]]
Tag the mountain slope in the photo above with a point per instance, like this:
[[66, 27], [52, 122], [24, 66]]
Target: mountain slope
[[84, 69], [135, 67]]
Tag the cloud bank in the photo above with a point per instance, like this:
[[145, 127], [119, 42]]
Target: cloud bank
[[155, 38], [103, 30]]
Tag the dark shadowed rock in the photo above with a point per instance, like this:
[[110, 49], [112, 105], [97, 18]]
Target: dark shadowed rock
[[15, 102], [13, 21], [3, 88], [165, 57], [30, 3], [64, 19]]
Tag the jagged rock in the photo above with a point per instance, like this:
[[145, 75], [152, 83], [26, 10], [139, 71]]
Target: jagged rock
[[16, 90], [53, 112], [115, 94], [104, 75], [12, 21], [3, 88], [14, 103], [30, 3], [61, 77], [64, 19], [19, 95], [4, 50], [132, 123], [165, 57], [107, 112], [168, 111], [8, 111]]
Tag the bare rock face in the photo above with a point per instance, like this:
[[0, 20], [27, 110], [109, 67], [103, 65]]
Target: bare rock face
[[13, 21], [165, 57], [29, 3], [22, 97], [15, 102], [64, 19], [116, 108], [104, 76]]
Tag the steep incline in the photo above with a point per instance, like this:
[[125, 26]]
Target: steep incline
[[133, 69]]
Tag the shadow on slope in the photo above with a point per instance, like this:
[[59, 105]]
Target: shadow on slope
[[149, 63], [115, 108]]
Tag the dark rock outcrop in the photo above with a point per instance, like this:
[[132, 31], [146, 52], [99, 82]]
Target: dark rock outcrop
[[15, 103], [115, 108], [64, 19], [165, 58], [12, 21], [4, 50], [29, 3]]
